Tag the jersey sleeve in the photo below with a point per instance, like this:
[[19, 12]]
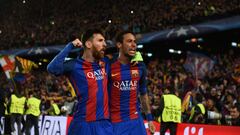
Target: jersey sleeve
[[58, 66]]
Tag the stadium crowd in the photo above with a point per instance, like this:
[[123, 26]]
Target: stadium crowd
[[26, 24], [218, 91]]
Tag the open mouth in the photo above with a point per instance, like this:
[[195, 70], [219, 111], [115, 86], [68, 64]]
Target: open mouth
[[102, 51], [132, 50]]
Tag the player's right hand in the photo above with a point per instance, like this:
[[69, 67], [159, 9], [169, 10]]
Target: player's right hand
[[77, 43]]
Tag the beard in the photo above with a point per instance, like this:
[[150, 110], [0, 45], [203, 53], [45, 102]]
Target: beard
[[127, 55], [98, 55]]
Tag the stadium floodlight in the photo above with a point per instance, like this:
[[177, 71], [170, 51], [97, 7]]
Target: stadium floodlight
[[175, 51], [52, 22], [40, 63], [23, 1], [149, 54], [132, 12], [109, 21], [140, 46], [171, 50], [0, 31], [234, 44]]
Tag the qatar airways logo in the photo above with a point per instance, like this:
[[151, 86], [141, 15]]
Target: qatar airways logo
[[97, 75], [126, 85]]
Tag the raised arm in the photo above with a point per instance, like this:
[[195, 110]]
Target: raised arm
[[56, 66]]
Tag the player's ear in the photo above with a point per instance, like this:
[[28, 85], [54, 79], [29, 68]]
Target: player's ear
[[119, 45], [88, 44]]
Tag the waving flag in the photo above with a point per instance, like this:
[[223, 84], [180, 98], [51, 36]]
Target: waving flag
[[187, 103], [198, 64], [8, 64], [15, 66], [26, 65], [22, 68]]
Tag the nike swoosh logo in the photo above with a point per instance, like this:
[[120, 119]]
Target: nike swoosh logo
[[115, 74]]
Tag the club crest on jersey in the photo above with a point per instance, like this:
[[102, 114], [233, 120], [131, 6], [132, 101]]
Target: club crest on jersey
[[97, 75], [135, 73]]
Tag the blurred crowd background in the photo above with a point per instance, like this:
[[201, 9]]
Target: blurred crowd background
[[26, 24]]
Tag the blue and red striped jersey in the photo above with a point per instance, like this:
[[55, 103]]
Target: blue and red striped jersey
[[125, 83], [89, 80]]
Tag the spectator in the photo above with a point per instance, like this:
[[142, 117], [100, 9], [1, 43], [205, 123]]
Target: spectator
[[235, 113]]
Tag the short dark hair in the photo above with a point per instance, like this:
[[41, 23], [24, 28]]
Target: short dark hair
[[119, 37], [89, 34], [237, 106]]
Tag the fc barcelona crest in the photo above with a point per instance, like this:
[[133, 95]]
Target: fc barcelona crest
[[135, 73]]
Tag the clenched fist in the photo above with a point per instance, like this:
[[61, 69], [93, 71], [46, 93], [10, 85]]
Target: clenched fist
[[77, 43]]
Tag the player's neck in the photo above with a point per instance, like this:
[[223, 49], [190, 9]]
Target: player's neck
[[87, 56], [123, 59]]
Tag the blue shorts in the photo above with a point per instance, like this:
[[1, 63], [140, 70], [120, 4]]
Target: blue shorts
[[131, 127], [101, 127]]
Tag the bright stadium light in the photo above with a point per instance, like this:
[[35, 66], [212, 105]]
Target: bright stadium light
[[149, 54], [109, 21], [171, 50], [0, 31], [23, 1], [40, 63], [140, 46], [132, 12], [175, 51], [52, 22], [234, 44]]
